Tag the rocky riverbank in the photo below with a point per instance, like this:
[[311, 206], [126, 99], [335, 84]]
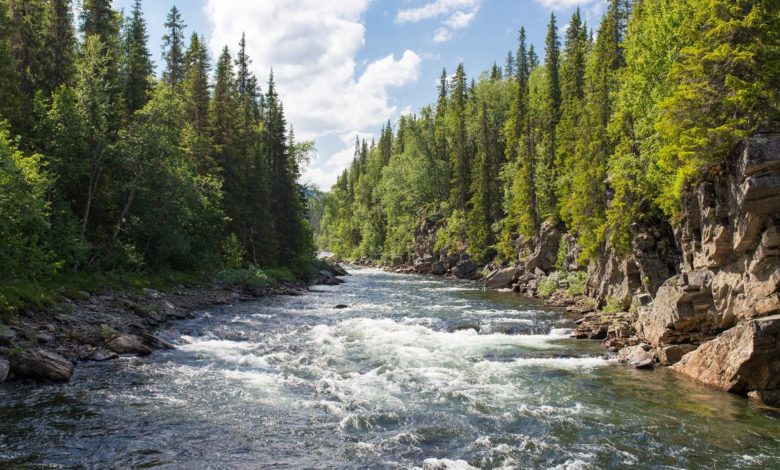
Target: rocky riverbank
[[702, 296], [46, 345]]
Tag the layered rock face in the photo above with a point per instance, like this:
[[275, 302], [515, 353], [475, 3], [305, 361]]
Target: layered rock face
[[636, 278], [726, 301]]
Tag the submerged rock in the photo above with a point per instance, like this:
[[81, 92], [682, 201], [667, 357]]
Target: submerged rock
[[101, 355], [41, 366], [155, 342], [128, 344]]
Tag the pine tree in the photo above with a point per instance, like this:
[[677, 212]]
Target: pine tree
[[509, 66], [552, 104], [173, 49], [585, 209], [440, 136], [459, 158], [98, 19], [196, 83], [12, 103], [224, 121], [138, 65], [572, 95], [60, 46]]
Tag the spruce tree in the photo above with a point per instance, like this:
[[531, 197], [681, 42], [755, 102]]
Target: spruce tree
[[60, 45], [196, 83], [173, 49], [552, 117], [459, 158], [137, 64]]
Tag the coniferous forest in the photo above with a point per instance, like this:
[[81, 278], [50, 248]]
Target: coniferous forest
[[594, 131], [106, 168]]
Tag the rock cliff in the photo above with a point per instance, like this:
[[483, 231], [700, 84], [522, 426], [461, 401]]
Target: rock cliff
[[725, 302]]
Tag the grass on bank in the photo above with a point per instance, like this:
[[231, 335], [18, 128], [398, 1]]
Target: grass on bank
[[20, 295]]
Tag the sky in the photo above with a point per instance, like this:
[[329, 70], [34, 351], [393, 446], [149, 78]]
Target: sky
[[345, 67]]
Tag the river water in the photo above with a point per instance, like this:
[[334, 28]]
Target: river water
[[400, 379]]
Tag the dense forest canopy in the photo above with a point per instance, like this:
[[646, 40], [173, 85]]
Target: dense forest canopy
[[104, 166], [607, 129]]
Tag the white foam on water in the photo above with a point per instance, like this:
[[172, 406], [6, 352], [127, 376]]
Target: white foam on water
[[448, 464]]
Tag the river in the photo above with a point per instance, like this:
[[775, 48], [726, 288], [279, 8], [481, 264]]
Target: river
[[400, 379]]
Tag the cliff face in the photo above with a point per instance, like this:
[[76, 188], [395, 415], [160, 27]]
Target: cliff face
[[725, 302]]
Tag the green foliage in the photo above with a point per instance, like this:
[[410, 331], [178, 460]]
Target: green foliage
[[615, 305], [24, 214], [129, 175], [547, 286]]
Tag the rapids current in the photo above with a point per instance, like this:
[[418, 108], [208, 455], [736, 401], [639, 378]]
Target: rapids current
[[418, 372]]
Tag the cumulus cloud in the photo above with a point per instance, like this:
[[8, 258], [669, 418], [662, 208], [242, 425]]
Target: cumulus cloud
[[458, 14], [312, 47]]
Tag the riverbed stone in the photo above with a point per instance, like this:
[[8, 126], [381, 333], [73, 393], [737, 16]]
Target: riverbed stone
[[128, 344], [101, 355], [155, 342], [636, 356], [41, 366]]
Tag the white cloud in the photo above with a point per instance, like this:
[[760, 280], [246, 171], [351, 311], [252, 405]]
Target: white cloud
[[312, 47], [564, 4], [459, 14]]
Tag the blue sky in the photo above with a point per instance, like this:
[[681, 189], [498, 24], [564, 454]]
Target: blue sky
[[344, 67]]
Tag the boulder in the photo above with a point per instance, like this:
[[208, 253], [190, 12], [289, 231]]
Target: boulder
[[742, 359], [4, 368], [101, 355], [128, 344], [423, 266], [465, 269], [155, 342], [681, 310], [502, 278], [41, 366], [637, 356], [438, 268], [670, 355], [7, 336]]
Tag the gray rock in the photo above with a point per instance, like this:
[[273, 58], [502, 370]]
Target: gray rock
[[742, 359], [502, 278], [670, 355], [438, 268], [128, 344], [101, 355], [545, 248], [7, 336], [4, 368], [465, 269], [155, 342], [635, 356], [41, 366]]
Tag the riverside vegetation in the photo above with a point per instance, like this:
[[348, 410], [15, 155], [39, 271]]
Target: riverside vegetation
[[638, 164], [112, 179]]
